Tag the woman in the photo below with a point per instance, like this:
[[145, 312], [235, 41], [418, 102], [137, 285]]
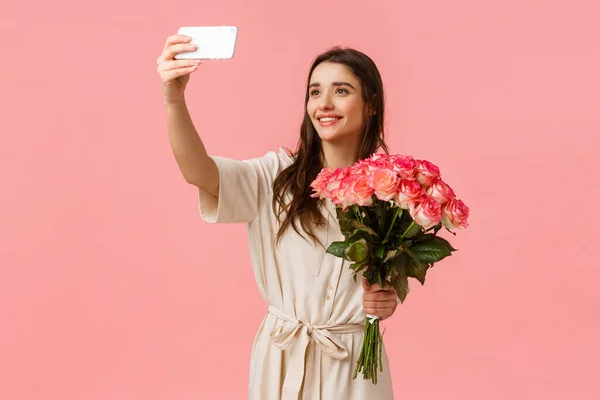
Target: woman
[[309, 341]]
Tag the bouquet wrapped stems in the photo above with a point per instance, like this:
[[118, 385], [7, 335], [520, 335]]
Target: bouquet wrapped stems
[[370, 355]]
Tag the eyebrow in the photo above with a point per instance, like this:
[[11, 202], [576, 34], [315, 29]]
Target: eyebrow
[[333, 84]]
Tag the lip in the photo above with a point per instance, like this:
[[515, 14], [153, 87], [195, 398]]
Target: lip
[[328, 115], [329, 123]]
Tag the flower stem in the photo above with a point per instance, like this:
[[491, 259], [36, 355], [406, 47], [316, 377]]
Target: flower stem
[[407, 229], [398, 210], [358, 213], [370, 355]]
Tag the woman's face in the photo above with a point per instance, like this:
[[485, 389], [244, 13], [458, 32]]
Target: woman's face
[[335, 103]]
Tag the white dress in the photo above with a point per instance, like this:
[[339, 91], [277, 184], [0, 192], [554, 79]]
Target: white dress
[[310, 339]]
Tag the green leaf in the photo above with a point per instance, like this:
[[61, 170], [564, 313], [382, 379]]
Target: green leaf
[[412, 229], [402, 262], [344, 220], [357, 251], [341, 248], [363, 227], [379, 251], [417, 271], [359, 265], [410, 253], [430, 251], [358, 234], [399, 266], [390, 254], [337, 249], [400, 283]]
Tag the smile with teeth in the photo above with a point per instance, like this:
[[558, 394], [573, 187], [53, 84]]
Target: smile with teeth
[[328, 119]]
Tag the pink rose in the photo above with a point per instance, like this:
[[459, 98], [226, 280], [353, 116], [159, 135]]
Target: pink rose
[[440, 191], [385, 182], [426, 171], [362, 192], [455, 214], [427, 212], [379, 164], [332, 183], [409, 192], [377, 157], [379, 161], [343, 194], [405, 166], [360, 168], [319, 183]]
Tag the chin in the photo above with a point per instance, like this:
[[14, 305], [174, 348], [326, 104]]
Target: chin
[[333, 137]]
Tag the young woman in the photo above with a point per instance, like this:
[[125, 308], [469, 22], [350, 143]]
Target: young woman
[[310, 339]]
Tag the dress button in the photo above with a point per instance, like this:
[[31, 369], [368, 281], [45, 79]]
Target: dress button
[[328, 297], [330, 286]]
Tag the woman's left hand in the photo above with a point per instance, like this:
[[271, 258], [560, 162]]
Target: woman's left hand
[[379, 301]]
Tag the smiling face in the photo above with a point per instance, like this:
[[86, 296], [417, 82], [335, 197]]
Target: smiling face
[[335, 103]]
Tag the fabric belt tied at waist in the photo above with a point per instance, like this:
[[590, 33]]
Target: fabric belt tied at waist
[[294, 336]]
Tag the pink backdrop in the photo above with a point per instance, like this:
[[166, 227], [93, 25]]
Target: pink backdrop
[[111, 285]]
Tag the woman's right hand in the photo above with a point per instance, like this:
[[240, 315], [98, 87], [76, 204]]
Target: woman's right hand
[[175, 74]]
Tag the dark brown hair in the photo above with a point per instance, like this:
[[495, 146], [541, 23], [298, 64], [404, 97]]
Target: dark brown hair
[[308, 162]]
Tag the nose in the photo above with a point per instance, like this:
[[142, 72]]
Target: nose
[[325, 103]]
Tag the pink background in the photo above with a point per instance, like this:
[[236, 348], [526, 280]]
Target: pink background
[[111, 285]]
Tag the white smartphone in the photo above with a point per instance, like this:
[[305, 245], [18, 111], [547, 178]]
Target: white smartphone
[[214, 42]]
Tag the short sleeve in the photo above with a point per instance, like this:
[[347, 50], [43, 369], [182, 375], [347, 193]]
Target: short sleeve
[[244, 187]]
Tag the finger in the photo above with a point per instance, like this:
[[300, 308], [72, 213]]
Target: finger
[[176, 73], [380, 307], [170, 65], [379, 304], [174, 39], [373, 299], [385, 316], [376, 288], [381, 295], [366, 285], [382, 314], [170, 52], [388, 287]]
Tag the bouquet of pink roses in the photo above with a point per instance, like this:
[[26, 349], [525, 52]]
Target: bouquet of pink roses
[[390, 209]]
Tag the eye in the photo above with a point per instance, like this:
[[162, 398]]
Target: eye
[[343, 90], [313, 92]]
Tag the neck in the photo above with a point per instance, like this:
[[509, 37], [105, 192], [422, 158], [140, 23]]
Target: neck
[[339, 155]]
